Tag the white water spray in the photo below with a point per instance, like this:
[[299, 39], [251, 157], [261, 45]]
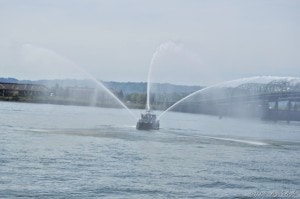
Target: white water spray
[[234, 83], [107, 90], [87, 74], [169, 45]]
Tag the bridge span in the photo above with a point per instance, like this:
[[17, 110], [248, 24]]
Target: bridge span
[[277, 100]]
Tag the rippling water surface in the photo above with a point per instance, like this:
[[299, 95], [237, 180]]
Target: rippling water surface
[[52, 151]]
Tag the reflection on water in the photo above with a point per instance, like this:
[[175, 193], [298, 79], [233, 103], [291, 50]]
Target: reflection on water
[[67, 151]]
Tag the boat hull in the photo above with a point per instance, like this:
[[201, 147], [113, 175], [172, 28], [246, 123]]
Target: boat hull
[[147, 126]]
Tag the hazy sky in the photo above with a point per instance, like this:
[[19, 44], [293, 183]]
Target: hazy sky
[[201, 41]]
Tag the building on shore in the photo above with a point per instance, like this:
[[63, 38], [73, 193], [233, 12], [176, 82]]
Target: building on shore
[[22, 90]]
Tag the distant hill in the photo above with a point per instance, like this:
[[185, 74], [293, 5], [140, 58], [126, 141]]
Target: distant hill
[[9, 80], [125, 87]]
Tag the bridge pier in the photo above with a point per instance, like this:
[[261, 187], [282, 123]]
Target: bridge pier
[[275, 113]]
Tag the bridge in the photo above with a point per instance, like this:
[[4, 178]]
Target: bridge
[[276, 100]]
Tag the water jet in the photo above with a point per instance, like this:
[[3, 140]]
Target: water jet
[[45, 53], [148, 120], [234, 84]]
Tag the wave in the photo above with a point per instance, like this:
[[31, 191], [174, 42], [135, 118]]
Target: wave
[[251, 142]]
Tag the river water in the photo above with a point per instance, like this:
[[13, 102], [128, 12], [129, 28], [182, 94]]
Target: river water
[[54, 151]]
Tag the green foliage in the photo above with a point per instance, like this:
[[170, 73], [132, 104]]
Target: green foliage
[[136, 98]]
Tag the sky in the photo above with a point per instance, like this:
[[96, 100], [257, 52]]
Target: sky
[[193, 42]]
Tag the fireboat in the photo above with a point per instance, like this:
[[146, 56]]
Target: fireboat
[[148, 121]]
